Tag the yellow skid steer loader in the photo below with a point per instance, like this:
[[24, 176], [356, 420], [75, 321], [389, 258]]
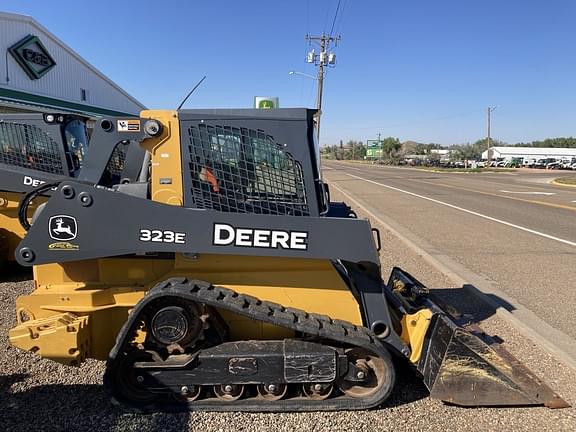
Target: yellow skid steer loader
[[225, 280]]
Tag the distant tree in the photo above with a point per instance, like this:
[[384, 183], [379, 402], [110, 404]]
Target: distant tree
[[569, 142], [354, 150], [390, 147], [482, 145], [424, 149], [351, 150]]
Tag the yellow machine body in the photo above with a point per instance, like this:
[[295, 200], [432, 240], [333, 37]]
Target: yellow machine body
[[105, 290], [11, 232]]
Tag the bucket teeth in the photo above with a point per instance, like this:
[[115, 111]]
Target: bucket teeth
[[460, 368]]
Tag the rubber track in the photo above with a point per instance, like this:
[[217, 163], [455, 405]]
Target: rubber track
[[295, 319]]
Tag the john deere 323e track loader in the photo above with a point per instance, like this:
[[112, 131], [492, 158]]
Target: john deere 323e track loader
[[225, 279]]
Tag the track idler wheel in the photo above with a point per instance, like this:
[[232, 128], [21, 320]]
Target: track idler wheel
[[272, 392], [373, 374], [128, 383]]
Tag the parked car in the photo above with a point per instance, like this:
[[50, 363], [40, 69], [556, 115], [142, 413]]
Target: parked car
[[553, 164], [567, 163], [514, 163], [478, 164], [541, 163], [529, 163]]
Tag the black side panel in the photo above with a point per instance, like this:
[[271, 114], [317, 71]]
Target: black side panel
[[105, 223], [18, 180]]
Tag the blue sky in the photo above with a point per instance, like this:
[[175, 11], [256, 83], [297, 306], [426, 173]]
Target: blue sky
[[415, 69]]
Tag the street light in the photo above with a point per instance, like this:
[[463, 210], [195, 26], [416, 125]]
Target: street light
[[490, 110], [303, 74], [318, 102]]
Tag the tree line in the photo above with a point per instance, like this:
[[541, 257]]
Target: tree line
[[393, 149]]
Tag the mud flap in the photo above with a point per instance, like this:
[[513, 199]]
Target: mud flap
[[463, 366]]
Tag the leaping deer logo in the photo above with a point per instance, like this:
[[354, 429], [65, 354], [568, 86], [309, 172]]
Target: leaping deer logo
[[62, 227]]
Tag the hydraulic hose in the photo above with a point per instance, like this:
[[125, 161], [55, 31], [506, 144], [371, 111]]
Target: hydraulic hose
[[25, 203]]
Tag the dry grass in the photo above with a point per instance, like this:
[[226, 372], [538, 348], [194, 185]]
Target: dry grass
[[566, 180]]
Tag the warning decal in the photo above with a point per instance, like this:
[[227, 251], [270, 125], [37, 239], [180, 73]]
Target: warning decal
[[128, 125]]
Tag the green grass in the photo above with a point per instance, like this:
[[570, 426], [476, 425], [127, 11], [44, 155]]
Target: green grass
[[566, 180]]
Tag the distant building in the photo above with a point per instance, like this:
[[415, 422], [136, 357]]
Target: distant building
[[442, 154], [39, 72], [508, 153]]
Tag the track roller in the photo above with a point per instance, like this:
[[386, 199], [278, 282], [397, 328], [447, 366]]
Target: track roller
[[272, 392], [229, 392], [317, 391]]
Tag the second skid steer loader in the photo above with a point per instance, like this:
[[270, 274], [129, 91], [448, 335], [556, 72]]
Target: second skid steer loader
[[227, 280], [40, 149]]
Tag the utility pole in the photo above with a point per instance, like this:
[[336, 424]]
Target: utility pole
[[321, 60], [488, 112]]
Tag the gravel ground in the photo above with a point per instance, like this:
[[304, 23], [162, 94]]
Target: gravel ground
[[38, 394]]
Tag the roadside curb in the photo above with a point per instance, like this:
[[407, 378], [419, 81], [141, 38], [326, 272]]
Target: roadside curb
[[552, 340], [557, 183]]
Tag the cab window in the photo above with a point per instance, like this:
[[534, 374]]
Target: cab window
[[77, 143]]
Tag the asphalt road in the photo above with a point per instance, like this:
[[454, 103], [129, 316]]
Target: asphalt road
[[515, 230]]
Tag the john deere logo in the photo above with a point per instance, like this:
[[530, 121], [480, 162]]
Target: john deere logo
[[266, 104], [62, 227], [262, 102], [32, 56]]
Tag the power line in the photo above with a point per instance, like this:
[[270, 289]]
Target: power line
[[334, 20], [341, 19]]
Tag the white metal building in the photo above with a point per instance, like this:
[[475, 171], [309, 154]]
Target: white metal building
[[442, 154], [39, 72], [508, 153]]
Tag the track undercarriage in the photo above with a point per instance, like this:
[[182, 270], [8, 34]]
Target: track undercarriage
[[186, 361]]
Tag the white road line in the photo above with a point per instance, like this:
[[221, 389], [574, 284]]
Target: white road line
[[531, 231], [529, 193]]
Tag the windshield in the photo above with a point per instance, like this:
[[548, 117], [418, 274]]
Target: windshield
[[77, 142]]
